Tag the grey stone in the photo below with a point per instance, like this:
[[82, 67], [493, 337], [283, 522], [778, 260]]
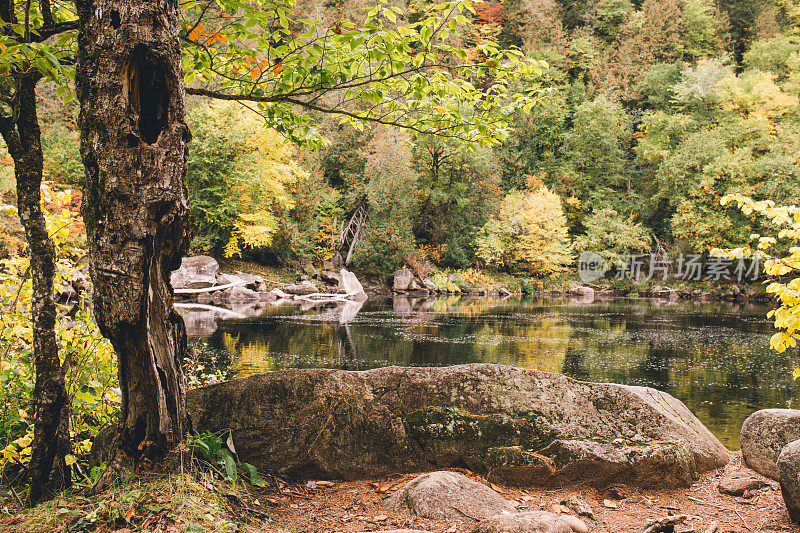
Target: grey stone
[[430, 285], [330, 277], [447, 495], [239, 293], [582, 291], [279, 294], [577, 525], [225, 279], [301, 289], [789, 468], [738, 485], [402, 279], [252, 281], [579, 506], [764, 434], [522, 425], [527, 522], [348, 282], [196, 272]]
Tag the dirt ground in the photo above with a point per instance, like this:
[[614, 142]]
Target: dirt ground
[[356, 506]]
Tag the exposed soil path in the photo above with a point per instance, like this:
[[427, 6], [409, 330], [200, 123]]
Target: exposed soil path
[[356, 506]]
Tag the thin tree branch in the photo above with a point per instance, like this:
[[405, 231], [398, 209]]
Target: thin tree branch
[[334, 111]]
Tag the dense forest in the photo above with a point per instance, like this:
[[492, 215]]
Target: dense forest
[[648, 113]]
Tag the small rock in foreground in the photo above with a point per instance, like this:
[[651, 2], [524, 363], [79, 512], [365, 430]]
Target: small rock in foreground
[[764, 434], [577, 525], [528, 522], [789, 467], [579, 506], [447, 495], [736, 486]]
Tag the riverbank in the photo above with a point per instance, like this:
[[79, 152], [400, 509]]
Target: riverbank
[[489, 283], [194, 502]]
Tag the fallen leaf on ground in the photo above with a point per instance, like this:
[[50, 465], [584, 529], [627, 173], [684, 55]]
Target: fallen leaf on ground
[[496, 488]]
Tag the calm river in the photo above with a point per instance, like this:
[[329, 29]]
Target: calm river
[[714, 356]]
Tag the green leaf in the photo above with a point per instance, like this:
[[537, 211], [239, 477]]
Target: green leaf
[[255, 479], [230, 466]]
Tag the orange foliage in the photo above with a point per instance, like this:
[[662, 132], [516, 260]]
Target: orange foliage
[[488, 12]]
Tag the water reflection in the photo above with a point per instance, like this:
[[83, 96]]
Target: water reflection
[[713, 356]]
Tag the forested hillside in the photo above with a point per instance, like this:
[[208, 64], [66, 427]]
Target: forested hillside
[[649, 112]]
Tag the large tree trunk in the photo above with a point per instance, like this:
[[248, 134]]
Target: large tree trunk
[[134, 137], [47, 470]]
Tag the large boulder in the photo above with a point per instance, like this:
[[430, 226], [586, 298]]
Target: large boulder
[[527, 522], [402, 280], [196, 272], [523, 426], [764, 434], [448, 495], [348, 282], [789, 472]]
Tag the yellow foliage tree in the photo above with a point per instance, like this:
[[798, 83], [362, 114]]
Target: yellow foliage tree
[[754, 94], [270, 170], [783, 269], [529, 233]]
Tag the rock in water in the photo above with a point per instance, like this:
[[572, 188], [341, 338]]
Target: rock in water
[[447, 495], [430, 285], [764, 434], [524, 426], [301, 289], [239, 293], [402, 279], [253, 282], [789, 469], [196, 272], [349, 283], [225, 279], [528, 522]]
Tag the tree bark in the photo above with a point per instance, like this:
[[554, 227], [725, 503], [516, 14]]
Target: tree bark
[[47, 471], [134, 135]]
